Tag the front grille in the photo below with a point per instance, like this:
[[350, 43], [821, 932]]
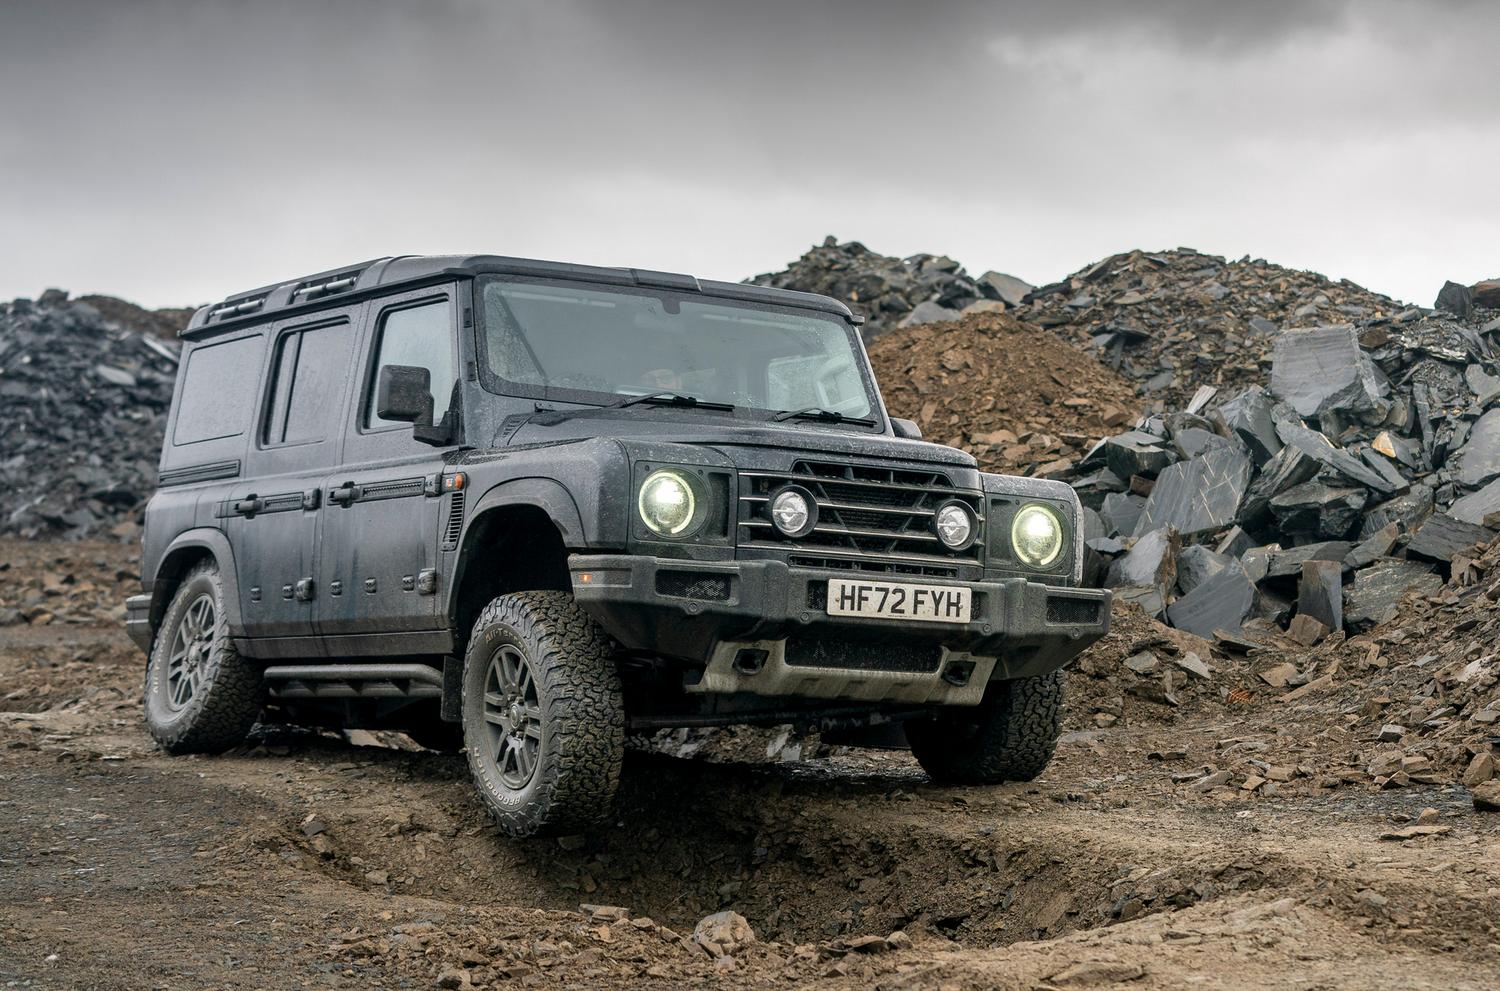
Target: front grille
[[692, 585], [862, 655], [865, 514], [1061, 610], [873, 567]]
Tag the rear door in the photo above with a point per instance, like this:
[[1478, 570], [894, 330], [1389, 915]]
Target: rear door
[[380, 515], [273, 517]]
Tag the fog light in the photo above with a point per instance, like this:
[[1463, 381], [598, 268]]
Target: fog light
[[954, 523], [793, 512]]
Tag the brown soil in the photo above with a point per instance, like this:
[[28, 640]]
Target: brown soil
[[1018, 397], [304, 860]]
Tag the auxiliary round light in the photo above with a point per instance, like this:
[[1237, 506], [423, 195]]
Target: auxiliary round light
[[667, 504], [1036, 535], [954, 523], [792, 512]]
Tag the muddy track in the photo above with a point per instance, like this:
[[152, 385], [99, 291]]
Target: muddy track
[[303, 860]]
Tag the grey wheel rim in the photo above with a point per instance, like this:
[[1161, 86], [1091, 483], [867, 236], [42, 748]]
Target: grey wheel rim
[[512, 717], [187, 660]]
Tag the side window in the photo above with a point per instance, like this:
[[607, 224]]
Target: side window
[[218, 390], [419, 335], [310, 367]]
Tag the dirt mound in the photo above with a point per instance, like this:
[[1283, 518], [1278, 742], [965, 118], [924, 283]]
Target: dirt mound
[[891, 292], [1171, 321], [83, 401], [165, 323], [1014, 395]]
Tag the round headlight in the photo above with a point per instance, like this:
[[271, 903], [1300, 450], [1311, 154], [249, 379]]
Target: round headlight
[[792, 512], [1036, 535], [667, 504], [955, 525]]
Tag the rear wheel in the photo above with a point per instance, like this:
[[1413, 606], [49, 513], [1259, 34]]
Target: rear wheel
[[543, 714], [1010, 736], [201, 696]]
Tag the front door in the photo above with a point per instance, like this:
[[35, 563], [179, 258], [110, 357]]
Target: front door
[[273, 518], [381, 509]]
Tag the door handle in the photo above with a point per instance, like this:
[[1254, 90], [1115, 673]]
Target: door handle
[[344, 494], [250, 505]]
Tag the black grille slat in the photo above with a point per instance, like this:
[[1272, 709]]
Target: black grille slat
[[864, 512]]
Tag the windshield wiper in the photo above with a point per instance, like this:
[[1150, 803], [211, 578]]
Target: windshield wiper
[[821, 415], [552, 417]]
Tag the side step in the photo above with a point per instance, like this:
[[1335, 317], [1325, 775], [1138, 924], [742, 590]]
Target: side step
[[354, 681]]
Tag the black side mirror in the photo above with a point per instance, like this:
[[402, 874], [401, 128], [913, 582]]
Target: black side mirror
[[906, 428], [404, 392]]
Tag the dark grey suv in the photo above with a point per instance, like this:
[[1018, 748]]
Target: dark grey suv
[[524, 508]]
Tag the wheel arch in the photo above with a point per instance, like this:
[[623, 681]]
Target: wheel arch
[[184, 553]]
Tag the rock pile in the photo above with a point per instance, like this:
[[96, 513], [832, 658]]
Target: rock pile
[[1369, 466], [1172, 321], [82, 401], [895, 292], [1017, 398]]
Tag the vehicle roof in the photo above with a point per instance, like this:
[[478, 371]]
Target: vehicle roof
[[380, 275]]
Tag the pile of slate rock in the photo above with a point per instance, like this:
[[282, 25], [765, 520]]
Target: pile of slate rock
[[1367, 467], [82, 403], [1172, 321], [895, 292]]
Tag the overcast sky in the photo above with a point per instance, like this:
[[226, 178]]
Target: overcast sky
[[174, 152]]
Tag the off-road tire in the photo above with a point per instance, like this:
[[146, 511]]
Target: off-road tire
[[1010, 736], [227, 699], [581, 714]]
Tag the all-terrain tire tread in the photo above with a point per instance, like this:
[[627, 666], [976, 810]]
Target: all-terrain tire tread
[[1013, 739], [583, 705], [231, 700]]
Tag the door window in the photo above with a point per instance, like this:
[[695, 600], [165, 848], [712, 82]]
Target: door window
[[419, 335], [309, 371], [218, 389]]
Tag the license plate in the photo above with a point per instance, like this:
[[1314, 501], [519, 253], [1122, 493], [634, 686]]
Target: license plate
[[899, 600]]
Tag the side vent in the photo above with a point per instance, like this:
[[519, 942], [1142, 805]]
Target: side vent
[[455, 525]]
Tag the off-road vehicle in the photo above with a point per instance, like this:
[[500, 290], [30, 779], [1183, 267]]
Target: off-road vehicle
[[526, 508]]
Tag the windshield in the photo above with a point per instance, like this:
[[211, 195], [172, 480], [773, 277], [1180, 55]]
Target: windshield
[[595, 344]]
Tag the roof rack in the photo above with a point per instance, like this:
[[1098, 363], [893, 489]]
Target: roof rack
[[352, 282]]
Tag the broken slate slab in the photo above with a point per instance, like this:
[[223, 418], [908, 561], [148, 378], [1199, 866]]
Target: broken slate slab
[[1442, 536], [1455, 299], [1136, 453], [1120, 512], [1320, 510], [1220, 603], [1324, 370], [1198, 496], [1248, 417], [1377, 590], [1321, 449], [1475, 506], [1286, 563], [1197, 564], [1151, 563], [1479, 459], [1321, 594], [1406, 511], [1377, 545], [1288, 468]]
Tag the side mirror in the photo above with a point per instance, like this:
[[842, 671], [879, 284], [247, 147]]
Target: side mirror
[[404, 392], [906, 428]]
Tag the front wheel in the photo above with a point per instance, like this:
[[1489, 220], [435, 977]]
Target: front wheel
[[543, 714], [1010, 736]]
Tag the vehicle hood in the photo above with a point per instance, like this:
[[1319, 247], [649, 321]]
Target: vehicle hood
[[729, 435]]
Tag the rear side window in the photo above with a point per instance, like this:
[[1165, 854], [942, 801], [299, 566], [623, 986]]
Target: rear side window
[[306, 384], [422, 336], [218, 391]]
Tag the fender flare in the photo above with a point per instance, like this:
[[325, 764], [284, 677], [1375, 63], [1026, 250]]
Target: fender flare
[[546, 494], [217, 545]]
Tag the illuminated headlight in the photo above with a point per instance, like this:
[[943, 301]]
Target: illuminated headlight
[[1036, 536], [666, 503], [954, 523], [792, 512]]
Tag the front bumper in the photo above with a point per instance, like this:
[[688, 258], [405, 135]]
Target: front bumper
[[709, 613]]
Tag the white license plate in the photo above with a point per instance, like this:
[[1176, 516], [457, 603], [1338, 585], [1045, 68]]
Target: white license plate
[[899, 600]]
